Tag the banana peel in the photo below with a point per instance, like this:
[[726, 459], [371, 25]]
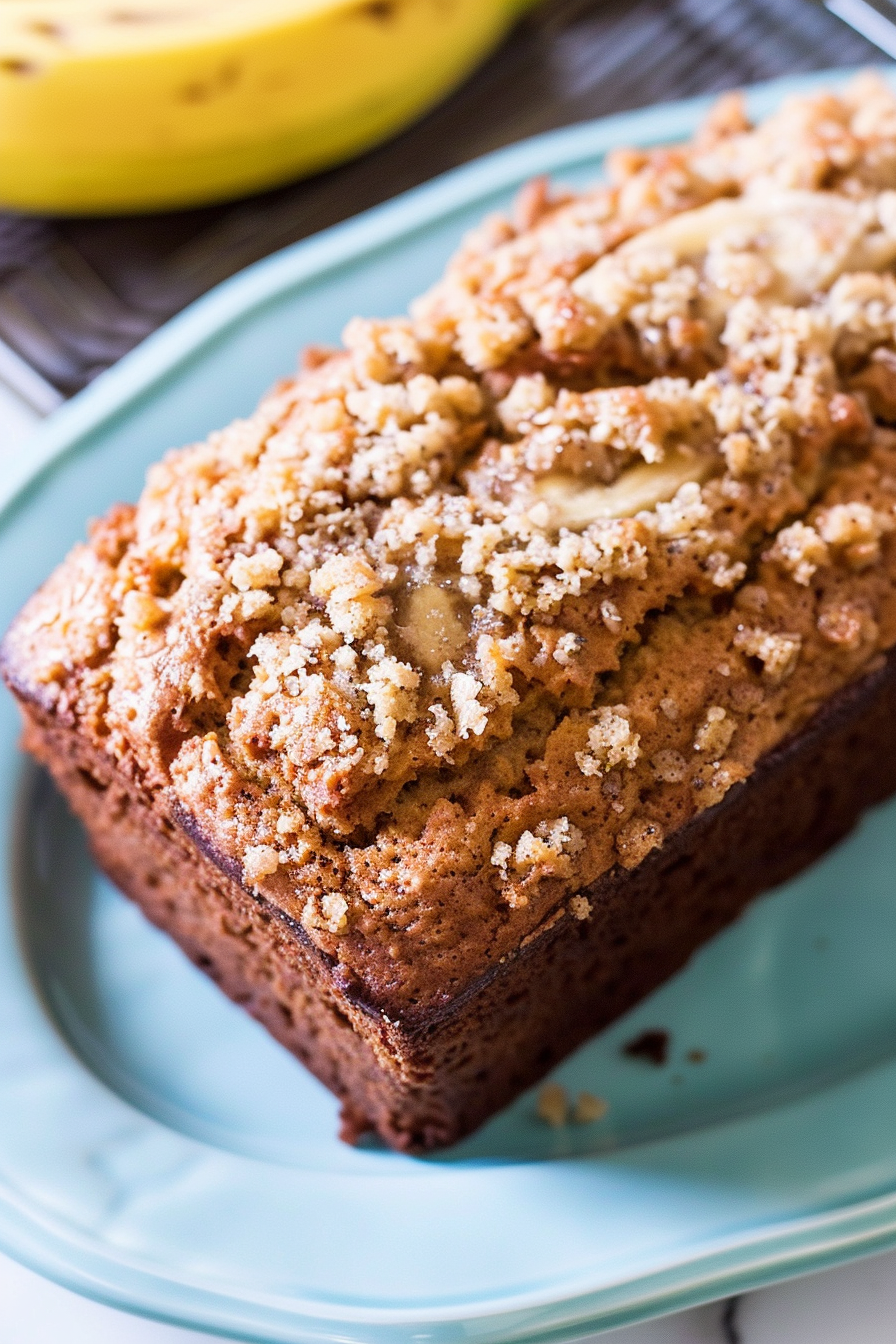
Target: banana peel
[[138, 105]]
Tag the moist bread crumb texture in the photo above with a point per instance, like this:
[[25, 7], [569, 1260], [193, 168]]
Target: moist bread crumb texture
[[479, 611]]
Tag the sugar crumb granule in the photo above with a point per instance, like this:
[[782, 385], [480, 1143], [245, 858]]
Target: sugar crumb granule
[[552, 1105], [588, 1109]]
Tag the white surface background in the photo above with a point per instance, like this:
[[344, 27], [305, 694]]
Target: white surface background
[[855, 1304]]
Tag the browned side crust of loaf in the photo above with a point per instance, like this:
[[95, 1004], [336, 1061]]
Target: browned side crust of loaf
[[427, 1083]]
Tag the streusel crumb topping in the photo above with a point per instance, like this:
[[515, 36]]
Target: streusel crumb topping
[[501, 593]]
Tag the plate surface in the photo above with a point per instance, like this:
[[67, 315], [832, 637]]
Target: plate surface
[[160, 1152]]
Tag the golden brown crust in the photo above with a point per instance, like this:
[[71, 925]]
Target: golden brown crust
[[503, 595]]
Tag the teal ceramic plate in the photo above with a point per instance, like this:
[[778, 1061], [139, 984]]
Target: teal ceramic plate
[[160, 1152]]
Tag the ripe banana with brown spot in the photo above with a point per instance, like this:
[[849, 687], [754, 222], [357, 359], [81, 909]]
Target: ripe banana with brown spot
[[117, 105]]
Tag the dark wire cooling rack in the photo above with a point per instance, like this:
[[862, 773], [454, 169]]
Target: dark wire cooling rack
[[76, 294]]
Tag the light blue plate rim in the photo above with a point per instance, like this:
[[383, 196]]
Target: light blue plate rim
[[748, 1261]]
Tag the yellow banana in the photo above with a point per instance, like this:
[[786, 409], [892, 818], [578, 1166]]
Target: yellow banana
[[118, 105]]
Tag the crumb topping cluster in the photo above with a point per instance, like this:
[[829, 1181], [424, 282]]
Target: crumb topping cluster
[[502, 592]]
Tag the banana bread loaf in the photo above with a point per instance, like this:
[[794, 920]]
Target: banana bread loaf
[[444, 706]]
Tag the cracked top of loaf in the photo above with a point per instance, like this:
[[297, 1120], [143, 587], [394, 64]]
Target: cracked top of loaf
[[500, 594]]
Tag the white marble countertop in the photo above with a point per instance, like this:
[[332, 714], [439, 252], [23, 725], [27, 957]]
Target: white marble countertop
[[855, 1304]]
